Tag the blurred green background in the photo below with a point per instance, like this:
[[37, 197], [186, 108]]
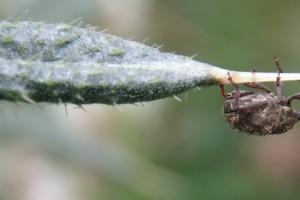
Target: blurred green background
[[164, 149]]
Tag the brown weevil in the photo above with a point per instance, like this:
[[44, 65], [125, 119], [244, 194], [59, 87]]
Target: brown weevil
[[260, 113]]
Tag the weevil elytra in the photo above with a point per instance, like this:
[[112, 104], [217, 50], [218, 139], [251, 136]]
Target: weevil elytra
[[260, 113]]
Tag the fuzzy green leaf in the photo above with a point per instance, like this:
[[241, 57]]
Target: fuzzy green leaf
[[62, 63], [59, 62]]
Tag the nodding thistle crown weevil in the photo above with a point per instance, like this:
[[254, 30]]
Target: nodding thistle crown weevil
[[260, 113]]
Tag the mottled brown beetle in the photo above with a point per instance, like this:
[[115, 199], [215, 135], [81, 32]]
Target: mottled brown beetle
[[260, 113]]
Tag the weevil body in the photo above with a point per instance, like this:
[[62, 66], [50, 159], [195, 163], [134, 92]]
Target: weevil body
[[260, 114]]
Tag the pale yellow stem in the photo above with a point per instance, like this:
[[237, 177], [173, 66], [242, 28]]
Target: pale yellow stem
[[243, 77]]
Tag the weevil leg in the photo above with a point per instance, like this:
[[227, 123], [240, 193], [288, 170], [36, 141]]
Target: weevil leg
[[257, 85], [251, 106], [277, 63], [237, 94], [236, 90], [225, 95], [278, 82], [241, 94], [222, 90], [279, 88], [245, 92], [291, 98]]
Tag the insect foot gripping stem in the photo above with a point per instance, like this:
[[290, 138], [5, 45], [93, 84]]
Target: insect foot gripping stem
[[261, 113]]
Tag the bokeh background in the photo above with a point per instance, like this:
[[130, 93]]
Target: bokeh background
[[164, 149]]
